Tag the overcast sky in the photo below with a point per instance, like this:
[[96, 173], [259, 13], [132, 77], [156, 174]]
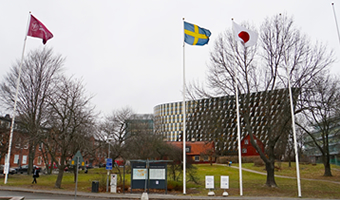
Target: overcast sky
[[130, 53]]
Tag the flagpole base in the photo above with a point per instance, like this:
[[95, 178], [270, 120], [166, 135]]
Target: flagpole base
[[144, 196], [211, 193]]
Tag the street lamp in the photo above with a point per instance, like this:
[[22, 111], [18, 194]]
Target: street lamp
[[109, 140], [108, 156]]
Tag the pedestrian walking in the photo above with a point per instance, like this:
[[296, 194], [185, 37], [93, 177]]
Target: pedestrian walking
[[35, 174]]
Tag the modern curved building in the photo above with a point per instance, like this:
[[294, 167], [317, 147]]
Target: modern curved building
[[214, 119]]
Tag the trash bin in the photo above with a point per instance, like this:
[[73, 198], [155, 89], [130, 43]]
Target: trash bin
[[95, 186]]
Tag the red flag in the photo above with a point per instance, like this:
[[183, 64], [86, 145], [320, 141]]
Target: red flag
[[247, 37], [37, 29]]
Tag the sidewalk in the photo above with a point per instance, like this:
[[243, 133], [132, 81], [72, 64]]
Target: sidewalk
[[138, 196]]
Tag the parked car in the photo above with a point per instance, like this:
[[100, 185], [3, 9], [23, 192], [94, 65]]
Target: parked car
[[11, 170], [89, 166], [24, 168]]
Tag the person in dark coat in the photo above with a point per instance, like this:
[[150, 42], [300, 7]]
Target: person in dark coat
[[35, 174]]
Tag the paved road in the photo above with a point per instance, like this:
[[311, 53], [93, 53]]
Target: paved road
[[40, 196], [35, 194]]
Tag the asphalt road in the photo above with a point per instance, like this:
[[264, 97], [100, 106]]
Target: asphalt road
[[40, 196]]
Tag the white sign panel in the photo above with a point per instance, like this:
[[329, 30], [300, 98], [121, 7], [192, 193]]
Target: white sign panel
[[209, 182], [113, 183], [139, 174], [6, 168], [224, 182], [157, 174]]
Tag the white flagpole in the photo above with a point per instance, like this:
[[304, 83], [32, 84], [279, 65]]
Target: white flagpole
[[336, 22], [238, 126], [184, 121], [293, 124], [238, 137], [7, 164], [294, 134]]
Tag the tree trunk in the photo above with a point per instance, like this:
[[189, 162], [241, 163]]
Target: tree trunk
[[59, 178], [270, 174], [31, 155], [327, 166], [61, 168]]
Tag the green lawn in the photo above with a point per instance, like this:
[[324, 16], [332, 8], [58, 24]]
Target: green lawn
[[253, 184]]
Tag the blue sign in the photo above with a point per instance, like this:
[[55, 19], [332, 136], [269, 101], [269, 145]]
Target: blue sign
[[109, 164]]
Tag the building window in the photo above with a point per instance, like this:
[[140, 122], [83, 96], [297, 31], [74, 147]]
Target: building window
[[41, 146], [246, 142], [244, 150], [39, 160], [16, 159], [197, 158], [17, 145], [24, 160]]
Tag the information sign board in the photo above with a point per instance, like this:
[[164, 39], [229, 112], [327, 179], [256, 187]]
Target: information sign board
[[158, 174], [224, 182], [209, 182], [109, 164]]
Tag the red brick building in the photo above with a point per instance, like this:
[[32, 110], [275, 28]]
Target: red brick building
[[20, 148]]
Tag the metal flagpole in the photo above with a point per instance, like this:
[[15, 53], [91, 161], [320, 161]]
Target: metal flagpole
[[184, 121], [293, 125], [238, 137], [336, 22], [294, 132], [15, 105], [238, 125]]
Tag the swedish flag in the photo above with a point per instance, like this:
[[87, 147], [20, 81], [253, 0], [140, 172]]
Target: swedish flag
[[195, 35]]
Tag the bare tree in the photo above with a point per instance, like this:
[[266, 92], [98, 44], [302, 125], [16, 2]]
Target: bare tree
[[323, 114], [263, 68], [71, 118], [39, 72], [114, 127], [4, 139], [143, 144]]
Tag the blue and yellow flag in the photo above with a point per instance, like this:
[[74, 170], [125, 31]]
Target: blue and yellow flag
[[195, 35]]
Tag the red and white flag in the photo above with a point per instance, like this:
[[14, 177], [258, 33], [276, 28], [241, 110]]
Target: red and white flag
[[247, 37], [37, 29]]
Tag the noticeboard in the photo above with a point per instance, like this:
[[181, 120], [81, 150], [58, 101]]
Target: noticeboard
[[154, 175]]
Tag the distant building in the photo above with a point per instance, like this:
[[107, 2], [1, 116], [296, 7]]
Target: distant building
[[139, 122], [247, 149], [20, 144], [20, 147], [313, 152], [197, 152], [214, 119]]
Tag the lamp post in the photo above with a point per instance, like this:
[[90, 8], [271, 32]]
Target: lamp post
[[108, 172]]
